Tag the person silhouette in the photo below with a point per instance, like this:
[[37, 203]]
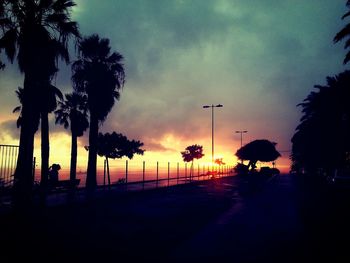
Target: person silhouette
[[53, 173]]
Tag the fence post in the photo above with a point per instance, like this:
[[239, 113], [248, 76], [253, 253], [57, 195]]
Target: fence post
[[168, 173], [126, 173], [157, 174], [143, 175], [108, 174], [177, 174], [104, 172], [7, 168], [198, 173]]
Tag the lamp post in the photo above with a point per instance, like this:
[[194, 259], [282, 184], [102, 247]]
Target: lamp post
[[241, 132], [212, 128]]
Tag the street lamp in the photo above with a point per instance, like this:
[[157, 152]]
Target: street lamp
[[212, 128], [241, 132]]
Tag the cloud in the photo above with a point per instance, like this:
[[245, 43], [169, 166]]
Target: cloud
[[157, 147], [8, 130], [258, 58]]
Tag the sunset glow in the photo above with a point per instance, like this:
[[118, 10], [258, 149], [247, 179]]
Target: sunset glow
[[180, 56]]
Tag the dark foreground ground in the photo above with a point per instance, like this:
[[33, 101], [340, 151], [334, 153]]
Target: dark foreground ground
[[284, 219]]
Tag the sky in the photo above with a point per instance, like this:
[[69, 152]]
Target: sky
[[258, 58]]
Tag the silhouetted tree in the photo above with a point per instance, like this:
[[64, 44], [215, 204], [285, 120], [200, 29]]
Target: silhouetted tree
[[2, 14], [49, 104], [241, 169], [2, 65], [192, 152], [344, 33], [321, 140], [258, 150], [219, 161], [36, 32], [72, 112], [19, 94], [100, 74], [116, 145]]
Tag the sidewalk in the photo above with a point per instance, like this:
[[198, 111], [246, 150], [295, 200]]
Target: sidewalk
[[224, 220]]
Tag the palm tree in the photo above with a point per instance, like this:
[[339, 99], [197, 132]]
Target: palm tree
[[48, 105], [321, 141], [36, 32], [344, 33], [100, 75], [2, 11], [73, 113], [192, 152], [20, 96]]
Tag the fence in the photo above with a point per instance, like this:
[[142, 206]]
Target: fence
[[8, 162], [117, 172], [141, 176]]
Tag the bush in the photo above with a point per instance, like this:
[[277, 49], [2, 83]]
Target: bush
[[269, 171], [241, 169]]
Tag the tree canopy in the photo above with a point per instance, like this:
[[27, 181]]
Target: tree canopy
[[258, 150], [98, 73], [36, 34], [344, 34], [321, 140], [116, 145], [192, 152]]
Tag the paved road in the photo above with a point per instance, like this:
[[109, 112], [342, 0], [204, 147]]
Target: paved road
[[284, 219]]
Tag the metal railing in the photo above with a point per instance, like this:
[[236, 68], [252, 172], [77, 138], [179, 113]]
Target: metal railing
[[8, 162], [142, 177], [132, 175]]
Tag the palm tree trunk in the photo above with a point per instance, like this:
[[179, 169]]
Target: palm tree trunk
[[91, 169], [73, 158], [24, 177], [108, 174], [191, 172], [45, 149]]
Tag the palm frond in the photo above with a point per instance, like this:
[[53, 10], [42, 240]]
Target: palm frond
[[19, 122], [8, 42], [5, 22], [347, 58], [347, 43], [17, 109], [342, 34], [45, 4], [62, 5], [346, 15]]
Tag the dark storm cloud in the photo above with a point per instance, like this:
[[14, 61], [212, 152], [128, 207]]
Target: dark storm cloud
[[259, 58], [145, 31], [8, 129]]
